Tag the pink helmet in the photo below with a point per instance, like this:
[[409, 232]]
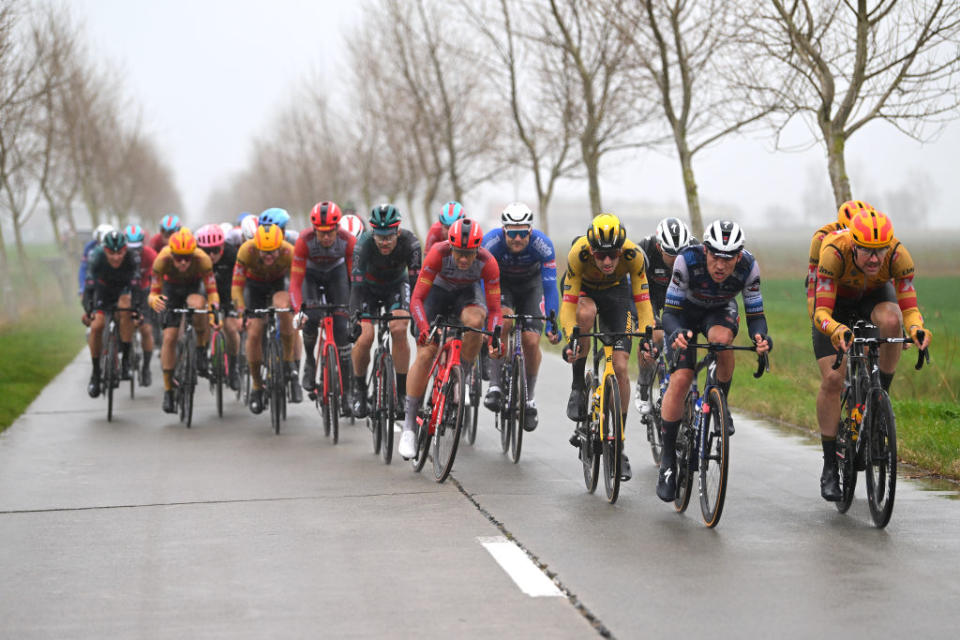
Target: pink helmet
[[352, 224], [209, 235]]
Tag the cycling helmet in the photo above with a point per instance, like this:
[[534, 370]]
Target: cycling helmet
[[241, 217], [268, 238], [871, 229], [516, 213], [134, 233], [100, 231], [450, 213], [606, 233], [210, 235], [169, 223], [385, 219], [182, 242], [275, 216], [724, 238], [851, 208], [225, 227], [291, 236], [465, 234], [114, 240], [249, 227], [325, 215], [672, 236], [352, 224]]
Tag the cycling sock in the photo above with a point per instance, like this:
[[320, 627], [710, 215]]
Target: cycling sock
[[309, 344], [401, 384], [669, 455], [231, 362], [579, 366], [410, 421], [96, 365], [885, 380], [725, 387], [360, 382], [829, 444], [146, 358], [531, 384], [168, 379], [493, 372], [125, 351], [623, 421]]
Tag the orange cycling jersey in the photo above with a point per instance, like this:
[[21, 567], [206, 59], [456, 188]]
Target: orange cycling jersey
[[838, 277], [200, 270], [250, 266], [582, 271], [815, 243]]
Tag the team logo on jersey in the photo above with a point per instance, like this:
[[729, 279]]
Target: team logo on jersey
[[825, 285], [905, 285], [824, 325]]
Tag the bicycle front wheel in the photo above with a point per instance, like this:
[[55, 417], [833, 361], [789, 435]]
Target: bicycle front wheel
[[376, 410], [716, 458], [388, 408], [450, 423], [274, 382], [111, 369], [474, 386], [502, 416], [612, 438], [687, 455], [654, 420], [332, 385], [846, 454], [881, 451], [517, 408], [589, 442], [218, 371]]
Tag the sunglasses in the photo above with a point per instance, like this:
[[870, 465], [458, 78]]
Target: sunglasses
[[213, 250], [179, 258], [513, 234], [722, 256], [880, 252], [111, 252], [609, 254], [464, 253], [269, 254]]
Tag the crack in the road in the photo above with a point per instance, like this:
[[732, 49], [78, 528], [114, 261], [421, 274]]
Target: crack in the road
[[581, 608], [186, 503]]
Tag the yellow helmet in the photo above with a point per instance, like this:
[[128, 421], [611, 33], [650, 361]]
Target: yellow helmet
[[606, 233], [182, 242], [851, 208], [871, 229], [268, 238]]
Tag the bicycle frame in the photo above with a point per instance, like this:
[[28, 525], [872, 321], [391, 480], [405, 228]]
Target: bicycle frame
[[325, 339]]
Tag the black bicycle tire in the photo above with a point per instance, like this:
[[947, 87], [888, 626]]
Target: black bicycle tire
[[589, 456], [219, 369], [519, 409], [273, 388], [506, 381], [656, 404], [243, 369], [374, 412], [714, 429], [612, 443], [846, 454], [190, 375], [474, 406], [881, 457], [451, 425], [110, 366], [389, 409], [334, 392], [422, 431], [134, 361], [684, 456]]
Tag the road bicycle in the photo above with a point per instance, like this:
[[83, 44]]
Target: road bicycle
[[652, 421], [440, 420], [601, 433], [243, 369], [512, 415], [867, 437], [327, 391], [185, 369], [272, 371], [703, 440], [110, 356], [219, 365], [471, 412], [384, 397]]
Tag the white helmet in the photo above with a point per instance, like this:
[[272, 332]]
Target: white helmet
[[724, 238], [516, 213], [352, 224], [672, 235], [291, 236], [226, 227], [249, 227], [102, 230]]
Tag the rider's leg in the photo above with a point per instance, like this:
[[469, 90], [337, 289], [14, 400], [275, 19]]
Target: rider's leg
[[586, 314], [889, 321], [472, 316], [255, 328], [530, 343], [496, 366], [725, 359], [361, 349], [201, 323], [401, 348], [168, 355], [281, 299], [417, 383]]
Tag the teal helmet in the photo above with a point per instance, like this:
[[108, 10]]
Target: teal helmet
[[115, 240], [385, 219]]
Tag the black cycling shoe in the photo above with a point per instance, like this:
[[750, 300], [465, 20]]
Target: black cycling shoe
[[202, 362], [169, 403], [625, 472], [667, 484], [125, 373], [233, 379], [256, 401], [530, 420], [575, 439], [93, 387], [577, 404], [360, 408], [493, 401], [296, 394], [730, 429], [146, 378], [309, 376], [830, 483]]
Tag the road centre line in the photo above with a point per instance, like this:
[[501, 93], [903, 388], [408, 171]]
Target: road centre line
[[512, 559]]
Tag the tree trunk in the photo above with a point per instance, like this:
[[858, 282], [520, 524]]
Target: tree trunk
[[591, 161], [544, 200], [837, 166], [690, 188]]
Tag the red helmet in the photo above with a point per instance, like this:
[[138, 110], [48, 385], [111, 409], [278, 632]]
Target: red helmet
[[209, 235], [465, 234], [325, 215]]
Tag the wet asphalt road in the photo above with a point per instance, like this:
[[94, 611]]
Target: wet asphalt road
[[141, 528]]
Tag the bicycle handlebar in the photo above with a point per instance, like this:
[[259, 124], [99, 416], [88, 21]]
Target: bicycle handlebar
[[763, 360], [266, 311], [440, 323], [645, 336], [524, 317], [849, 337]]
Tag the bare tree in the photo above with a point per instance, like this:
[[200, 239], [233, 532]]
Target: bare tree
[[840, 64]]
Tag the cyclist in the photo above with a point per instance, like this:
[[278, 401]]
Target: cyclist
[[144, 257], [449, 213], [386, 264], [113, 279], [457, 277], [528, 285], [863, 273], [606, 278], [178, 274], [844, 214], [169, 224], [98, 234], [211, 239], [702, 299], [659, 253], [323, 260]]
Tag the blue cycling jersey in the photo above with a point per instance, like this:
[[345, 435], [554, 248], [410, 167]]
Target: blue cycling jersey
[[517, 269], [82, 275]]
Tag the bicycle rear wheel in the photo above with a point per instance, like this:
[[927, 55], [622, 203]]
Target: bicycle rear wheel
[[846, 455], [589, 442], [716, 460], [686, 455], [517, 408], [881, 451], [612, 443], [331, 414], [218, 369], [447, 435], [654, 421], [110, 367], [388, 408]]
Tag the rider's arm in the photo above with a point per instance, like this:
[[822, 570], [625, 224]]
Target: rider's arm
[[641, 288], [902, 272], [831, 264], [816, 242], [491, 287], [571, 290], [300, 254], [240, 279], [87, 291], [672, 316], [753, 302], [415, 261], [548, 272], [431, 267], [156, 282], [348, 252], [205, 269]]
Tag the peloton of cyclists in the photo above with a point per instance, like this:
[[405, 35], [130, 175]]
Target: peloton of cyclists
[[528, 285], [386, 264], [702, 299]]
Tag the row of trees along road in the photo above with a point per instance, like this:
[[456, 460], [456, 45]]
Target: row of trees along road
[[69, 138], [445, 95]]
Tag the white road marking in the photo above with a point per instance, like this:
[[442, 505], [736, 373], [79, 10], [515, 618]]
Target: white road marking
[[512, 559]]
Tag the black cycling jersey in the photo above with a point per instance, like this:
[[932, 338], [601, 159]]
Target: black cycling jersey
[[223, 273], [373, 268], [102, 277], [658, 273]]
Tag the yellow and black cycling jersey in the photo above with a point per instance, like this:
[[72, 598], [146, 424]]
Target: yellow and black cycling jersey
[[250, 266], [839, 279], [815, 244], [200, 270], [583, 273]]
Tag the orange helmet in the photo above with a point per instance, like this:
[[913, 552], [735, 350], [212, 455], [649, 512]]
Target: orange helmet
[[851, 208], [465, 234], [268, 238], [871, 229], [182, 242]]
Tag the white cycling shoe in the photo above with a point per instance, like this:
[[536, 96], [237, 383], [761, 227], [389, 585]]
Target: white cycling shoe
[[408, 445], [643, 406]]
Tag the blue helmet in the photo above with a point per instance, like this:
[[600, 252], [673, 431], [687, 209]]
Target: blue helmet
[[450, 213], [242, 216], [275, 216], [134, 235], [170, 222]]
